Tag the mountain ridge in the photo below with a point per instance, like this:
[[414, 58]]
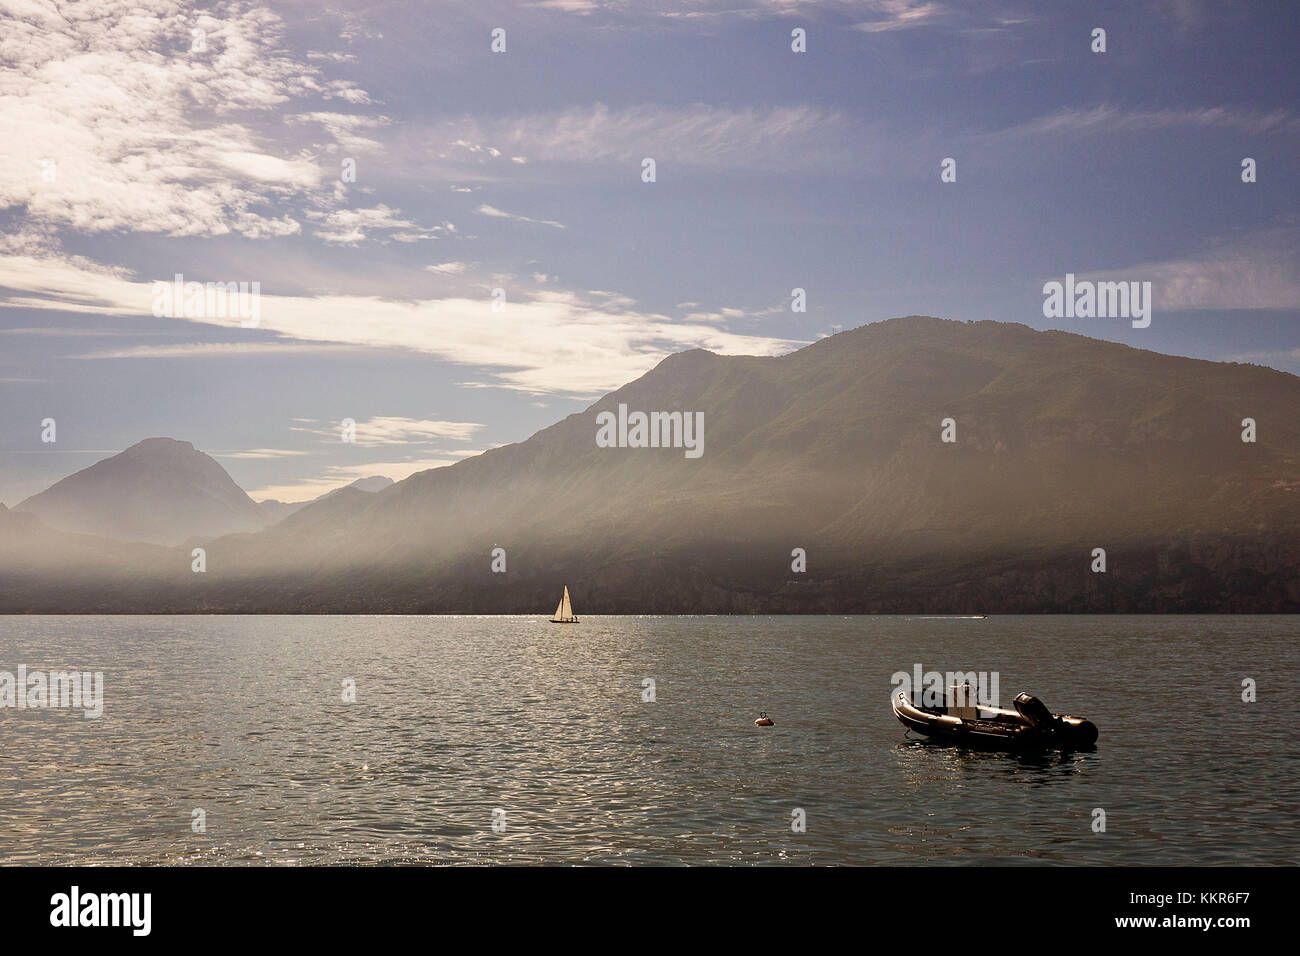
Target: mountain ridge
[[1063, 444], [276, 510]]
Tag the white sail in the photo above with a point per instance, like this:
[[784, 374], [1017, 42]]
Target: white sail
[[564, 612]]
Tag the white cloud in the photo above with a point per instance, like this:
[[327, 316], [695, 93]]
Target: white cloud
[[568, 6], [259, 453], [486, 210], [345, 128], [393, 430], [890, 15], [332, 57], [144, 133], [338, 476], [1259, 271], [563, 342], [728, 314], [348, 227]]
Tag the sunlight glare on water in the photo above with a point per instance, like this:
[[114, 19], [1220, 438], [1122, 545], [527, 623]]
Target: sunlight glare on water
[[456, 717]]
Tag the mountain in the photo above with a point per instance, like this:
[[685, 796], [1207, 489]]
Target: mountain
[[159, 490], [372, 484], [1063, 444], [275, 510]]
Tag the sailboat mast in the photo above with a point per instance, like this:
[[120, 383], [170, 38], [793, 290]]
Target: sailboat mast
[[564, 612]]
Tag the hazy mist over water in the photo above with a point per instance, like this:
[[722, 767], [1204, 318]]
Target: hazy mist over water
[[458, 716]]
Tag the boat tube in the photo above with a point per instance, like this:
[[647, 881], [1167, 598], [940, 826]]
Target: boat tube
[[1030, 726]]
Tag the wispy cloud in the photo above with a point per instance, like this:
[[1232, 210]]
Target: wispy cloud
[[1274, 357], [83, 332], [698, 136], [393, 430], [889, 15], [486, 210], [1108, 118], [447, 268], [270, 348], [332, 477], [259, 453], [345, 129], [568, 6], [689, 10], [349, 227], [1258, 271], [554, 341]]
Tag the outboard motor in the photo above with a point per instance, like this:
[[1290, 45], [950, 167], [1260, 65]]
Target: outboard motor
[[1071, 731], [1033, 711]]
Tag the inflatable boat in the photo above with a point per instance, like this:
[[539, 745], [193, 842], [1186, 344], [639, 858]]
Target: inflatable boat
[[1031, 726]]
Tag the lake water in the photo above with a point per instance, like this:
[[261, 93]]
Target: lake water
[[458, 717]]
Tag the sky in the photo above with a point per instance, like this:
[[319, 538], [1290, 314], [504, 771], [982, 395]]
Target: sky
[[380, 171]]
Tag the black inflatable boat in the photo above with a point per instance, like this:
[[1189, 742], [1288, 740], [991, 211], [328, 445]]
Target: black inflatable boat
[[1030, 726]]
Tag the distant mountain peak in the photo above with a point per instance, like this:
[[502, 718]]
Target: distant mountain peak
[[372, 483], [689, 355], [160, 490], [160, 447], [276, 511], [160, 444]]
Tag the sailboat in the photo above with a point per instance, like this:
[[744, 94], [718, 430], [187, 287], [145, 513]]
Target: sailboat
[[564, 613]]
